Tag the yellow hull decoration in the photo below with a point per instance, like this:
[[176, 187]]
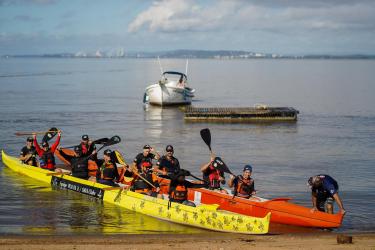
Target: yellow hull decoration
[[202, 216]]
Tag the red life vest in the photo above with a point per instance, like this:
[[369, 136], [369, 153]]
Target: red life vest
[[244, 187], [179, 193], [213, 177], [47, 160], [84, 148]]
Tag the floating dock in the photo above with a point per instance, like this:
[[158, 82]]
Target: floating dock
[[245, 114]]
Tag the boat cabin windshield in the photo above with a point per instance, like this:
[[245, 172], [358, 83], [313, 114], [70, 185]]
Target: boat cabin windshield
[[174, 76]]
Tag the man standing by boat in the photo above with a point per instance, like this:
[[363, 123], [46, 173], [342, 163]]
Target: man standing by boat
[[147, 155], [46, 153], [213, 176], [324, 190], [168, 164], [28, 153]]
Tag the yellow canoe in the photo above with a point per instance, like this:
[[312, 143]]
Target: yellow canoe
[[202, 216]]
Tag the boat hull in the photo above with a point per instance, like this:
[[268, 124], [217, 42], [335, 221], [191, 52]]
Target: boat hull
[[283, 212], [202, 216], [163, 95]]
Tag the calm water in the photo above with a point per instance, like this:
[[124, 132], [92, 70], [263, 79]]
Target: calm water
[[334, 134]]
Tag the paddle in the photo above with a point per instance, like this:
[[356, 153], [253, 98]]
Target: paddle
[[50, 134], [221, 166], [23, 133], [98, 141], [206, 136]]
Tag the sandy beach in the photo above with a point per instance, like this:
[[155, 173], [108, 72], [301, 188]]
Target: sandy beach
[[199, 241]]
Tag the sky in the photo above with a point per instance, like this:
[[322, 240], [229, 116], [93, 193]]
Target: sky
[[269, 26]]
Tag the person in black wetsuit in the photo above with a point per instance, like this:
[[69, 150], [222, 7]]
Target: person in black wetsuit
[[147, 155], [78, 162], [168, 164], [28, 153]]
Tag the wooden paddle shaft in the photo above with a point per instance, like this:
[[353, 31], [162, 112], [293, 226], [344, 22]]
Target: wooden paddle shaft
[[31, 133]]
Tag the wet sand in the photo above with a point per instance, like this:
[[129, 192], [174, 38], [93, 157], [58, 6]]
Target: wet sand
[[194, 241]]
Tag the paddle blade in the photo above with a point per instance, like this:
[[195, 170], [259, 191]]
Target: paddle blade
[[52, 132], [119, 158], [206, 136], [221, 166], [112, 141], [101, 141]]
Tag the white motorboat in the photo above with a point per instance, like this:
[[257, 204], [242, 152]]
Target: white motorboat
[[172, 89]]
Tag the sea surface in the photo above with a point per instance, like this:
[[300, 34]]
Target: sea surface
[[335, 132]]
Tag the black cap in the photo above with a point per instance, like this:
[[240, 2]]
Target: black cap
[[107, 152], [169, 148], [248, 167], [85, 137], [45, 144], [30, 139], [146, 146]]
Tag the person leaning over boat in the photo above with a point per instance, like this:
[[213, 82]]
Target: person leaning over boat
[[107, 172], [148, 154], [213, 176], [78, 162], [28, 153], [324, 190], [145, 181], [87, 147], [178, 188], [168, 164], [243, 184], [46, 153]]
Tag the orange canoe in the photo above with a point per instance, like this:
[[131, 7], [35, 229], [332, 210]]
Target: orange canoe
[[283, 211]]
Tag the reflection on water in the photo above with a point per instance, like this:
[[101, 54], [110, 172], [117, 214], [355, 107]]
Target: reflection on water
[[40, 209]]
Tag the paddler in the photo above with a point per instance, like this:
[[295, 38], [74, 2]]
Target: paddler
[[148, 154], [107, 172], [28, 153], [213, 176], [178, 188], [168, 164], [243, 184], [78, 162], [46, 153], [324, 190], [87, 147], [145, 181]]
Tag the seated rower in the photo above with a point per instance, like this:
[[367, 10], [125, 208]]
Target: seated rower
[[243, 184], [46, 154], [168, 164], [28, 153], [324, 190], [213, 176], [107, 172], [178, 188], [78, 162], [148, 154], [145, 181]]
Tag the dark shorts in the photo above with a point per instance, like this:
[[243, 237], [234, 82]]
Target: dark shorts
[[323, 200]]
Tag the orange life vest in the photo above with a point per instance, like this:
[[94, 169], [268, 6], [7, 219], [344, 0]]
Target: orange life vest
[[244, 187]]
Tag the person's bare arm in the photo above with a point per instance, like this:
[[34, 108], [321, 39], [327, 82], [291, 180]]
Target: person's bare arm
[[339, 203]]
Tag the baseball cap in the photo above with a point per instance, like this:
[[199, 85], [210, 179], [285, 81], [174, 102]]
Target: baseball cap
[[30, 139], [85, 137], [146, 146], [248, 168], [107, 152], [77, 149]]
